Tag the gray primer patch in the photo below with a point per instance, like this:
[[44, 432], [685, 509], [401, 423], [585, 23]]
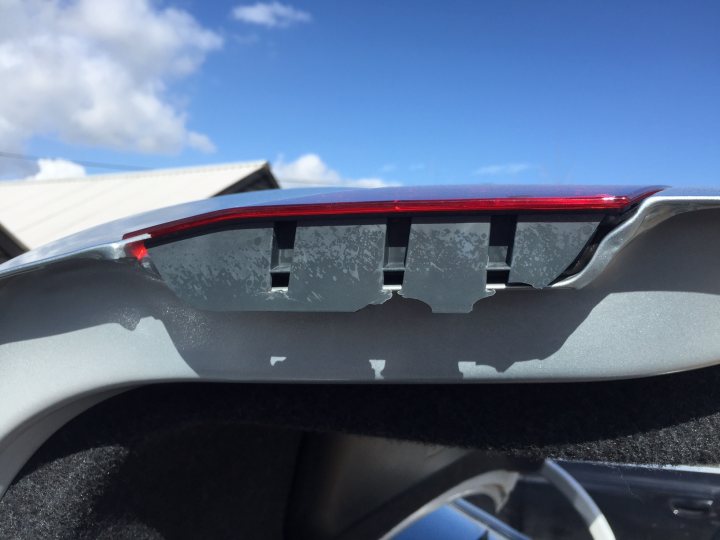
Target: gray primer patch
[[378, 366], [337, 267], [544, 249], [446, 265], [220, 271]]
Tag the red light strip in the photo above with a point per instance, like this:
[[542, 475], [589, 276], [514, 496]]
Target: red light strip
[[584, 203], [137, 250]]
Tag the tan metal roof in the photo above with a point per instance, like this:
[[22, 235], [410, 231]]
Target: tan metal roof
[[39, 211]]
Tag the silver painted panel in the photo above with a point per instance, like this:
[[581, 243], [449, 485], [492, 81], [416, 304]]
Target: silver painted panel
[[71, 333], [601, 331], [82, 329]]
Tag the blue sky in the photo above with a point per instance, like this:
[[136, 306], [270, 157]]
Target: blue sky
[[448, 92]]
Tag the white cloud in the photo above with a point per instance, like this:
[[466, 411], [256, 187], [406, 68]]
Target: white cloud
[[270, 14], [310, 171], [200, 142], [504, 169], [97, 73], [49, 169]]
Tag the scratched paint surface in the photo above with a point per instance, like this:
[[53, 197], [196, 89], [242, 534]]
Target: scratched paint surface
[[544, 249], [335, 268], [446, 265], [222, 271], [338, 267]]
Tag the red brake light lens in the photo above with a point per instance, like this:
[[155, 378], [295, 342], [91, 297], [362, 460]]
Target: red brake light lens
[[422, 200], [137, 250]]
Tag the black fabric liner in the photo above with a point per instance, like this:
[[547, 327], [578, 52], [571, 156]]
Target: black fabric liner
[[210, 460]]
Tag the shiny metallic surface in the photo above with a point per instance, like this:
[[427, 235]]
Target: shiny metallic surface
[[652, 211]]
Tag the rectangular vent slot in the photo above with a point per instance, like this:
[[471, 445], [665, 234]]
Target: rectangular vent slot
[[397, 237], [500, 251], [282, 253], [280, 280], [497, 277], [502, 236], [393, 278]]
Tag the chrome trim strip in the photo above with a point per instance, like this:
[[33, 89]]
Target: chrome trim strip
[[651, 212], [111, 251]]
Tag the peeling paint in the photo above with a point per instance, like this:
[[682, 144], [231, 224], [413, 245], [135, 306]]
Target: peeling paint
[[275, 359]]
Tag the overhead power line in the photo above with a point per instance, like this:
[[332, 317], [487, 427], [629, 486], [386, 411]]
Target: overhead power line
[[90, 164]]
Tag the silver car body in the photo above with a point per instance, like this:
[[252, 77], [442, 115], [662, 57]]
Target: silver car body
[[82, 320]]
